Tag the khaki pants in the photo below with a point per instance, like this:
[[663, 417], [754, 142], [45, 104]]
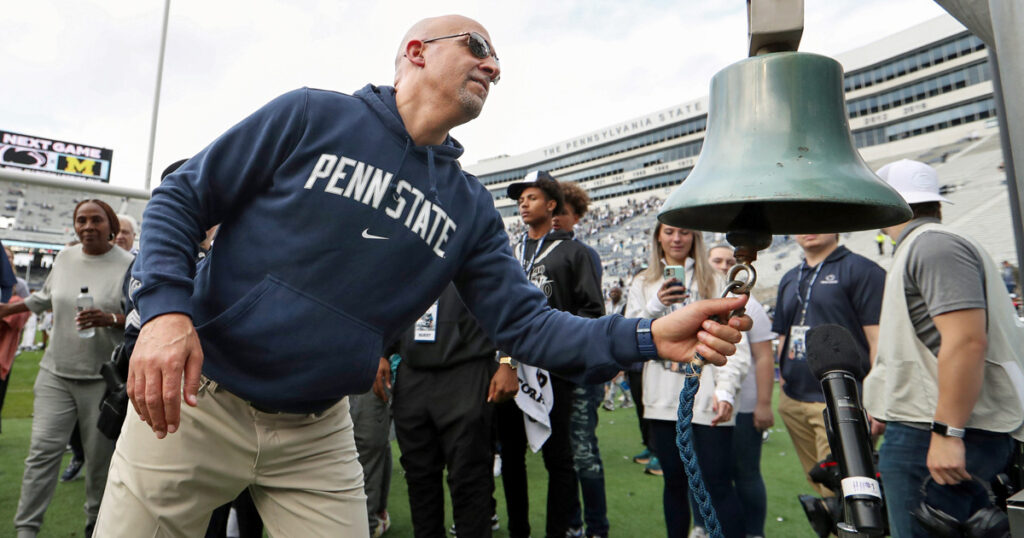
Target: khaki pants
[[302, 471], [806, 427]]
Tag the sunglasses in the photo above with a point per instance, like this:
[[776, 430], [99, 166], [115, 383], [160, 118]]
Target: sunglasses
[[477, 45]]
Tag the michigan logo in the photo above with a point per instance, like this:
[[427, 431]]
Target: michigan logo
[[74, 165]]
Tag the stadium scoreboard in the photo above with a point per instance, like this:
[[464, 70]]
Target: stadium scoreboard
[[55, 156]]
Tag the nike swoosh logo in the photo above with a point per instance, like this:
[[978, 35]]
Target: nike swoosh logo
[[368, 235]]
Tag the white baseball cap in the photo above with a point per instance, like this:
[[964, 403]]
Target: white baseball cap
[[915, 181]]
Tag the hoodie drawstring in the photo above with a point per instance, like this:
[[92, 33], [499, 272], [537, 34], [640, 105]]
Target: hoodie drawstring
[[431, 175], [392, 191]]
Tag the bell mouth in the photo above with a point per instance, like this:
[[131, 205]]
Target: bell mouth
[[786, 217], [778, 156]]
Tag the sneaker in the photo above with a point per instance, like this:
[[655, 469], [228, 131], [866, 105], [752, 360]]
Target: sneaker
[[451, 530], [653, 467], [643, 458], [698, 532], [72, 471], [576, 532], [608, 406], [383, 524]]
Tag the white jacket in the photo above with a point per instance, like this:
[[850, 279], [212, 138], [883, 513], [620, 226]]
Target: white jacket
[[662, 385]]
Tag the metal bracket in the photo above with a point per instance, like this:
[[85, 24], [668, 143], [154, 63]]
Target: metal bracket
[[774, 25]]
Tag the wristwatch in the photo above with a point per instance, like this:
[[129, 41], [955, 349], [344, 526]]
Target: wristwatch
[[946, 430], [645, 340], [512, 363]]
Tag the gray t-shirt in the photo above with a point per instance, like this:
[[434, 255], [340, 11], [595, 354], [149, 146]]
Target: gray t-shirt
[[67, 354], [944, 274]]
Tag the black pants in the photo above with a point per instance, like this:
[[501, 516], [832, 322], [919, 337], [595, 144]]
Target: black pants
[[713, 446], [557, 460], [441, 419], [3, 390], [250, 525], [77, 450], [636, 389]]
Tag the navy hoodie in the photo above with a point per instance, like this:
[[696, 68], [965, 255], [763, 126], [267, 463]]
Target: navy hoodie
[[337, 232]]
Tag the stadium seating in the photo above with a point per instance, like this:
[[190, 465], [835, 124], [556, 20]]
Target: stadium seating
[[969, 171]]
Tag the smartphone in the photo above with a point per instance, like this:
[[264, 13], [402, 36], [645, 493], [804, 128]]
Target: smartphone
[[677, 272]]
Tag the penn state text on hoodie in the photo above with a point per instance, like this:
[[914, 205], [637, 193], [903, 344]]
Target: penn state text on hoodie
[[337, 232]]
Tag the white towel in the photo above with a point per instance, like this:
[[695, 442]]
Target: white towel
[[535, 399], [28, 335]]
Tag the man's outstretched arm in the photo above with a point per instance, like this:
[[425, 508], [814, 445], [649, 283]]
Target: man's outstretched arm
[[689, 330], [582, 350]]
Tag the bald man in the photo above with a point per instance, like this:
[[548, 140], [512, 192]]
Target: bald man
[[343, 218]]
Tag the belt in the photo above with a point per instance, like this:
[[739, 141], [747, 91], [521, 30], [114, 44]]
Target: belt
[[213, 386], [262, 409], [973, 432]]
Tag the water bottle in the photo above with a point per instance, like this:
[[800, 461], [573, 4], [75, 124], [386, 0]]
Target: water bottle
[[84, 302]]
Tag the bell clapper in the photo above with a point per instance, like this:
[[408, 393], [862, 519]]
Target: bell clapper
[[746, 245]]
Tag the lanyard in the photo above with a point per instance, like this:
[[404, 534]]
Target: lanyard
[[806, 301], [689, 287], [522, 252]]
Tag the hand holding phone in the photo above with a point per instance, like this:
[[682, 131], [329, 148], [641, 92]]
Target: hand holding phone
[[677, 272], [673, 290]]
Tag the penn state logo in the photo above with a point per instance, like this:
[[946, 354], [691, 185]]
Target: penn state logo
[[22, 156]]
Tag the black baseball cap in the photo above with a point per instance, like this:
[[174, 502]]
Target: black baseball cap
[[543, 181], [171, 168]]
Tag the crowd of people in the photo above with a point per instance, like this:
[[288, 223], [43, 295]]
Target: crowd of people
[[603, 217], [616, 232], [403, 303]]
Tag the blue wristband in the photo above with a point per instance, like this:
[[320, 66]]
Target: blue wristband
[[645, 340]]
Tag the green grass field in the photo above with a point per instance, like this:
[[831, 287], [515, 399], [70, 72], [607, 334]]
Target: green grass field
[[634, 499]]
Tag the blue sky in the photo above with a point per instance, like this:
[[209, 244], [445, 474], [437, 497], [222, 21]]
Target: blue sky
[[85, 71]]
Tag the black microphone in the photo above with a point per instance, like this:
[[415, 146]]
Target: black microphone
[[835, 360]]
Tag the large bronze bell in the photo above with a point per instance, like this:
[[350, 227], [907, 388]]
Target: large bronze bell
[[778, 157]]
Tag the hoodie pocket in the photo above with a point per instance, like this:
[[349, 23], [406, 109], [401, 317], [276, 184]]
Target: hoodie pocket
[[286, 350]]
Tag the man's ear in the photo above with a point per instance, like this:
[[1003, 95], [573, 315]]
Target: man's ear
[[552, 204], [414, 52]]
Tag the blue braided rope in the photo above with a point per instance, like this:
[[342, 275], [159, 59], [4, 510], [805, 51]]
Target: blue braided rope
[[684, 441]]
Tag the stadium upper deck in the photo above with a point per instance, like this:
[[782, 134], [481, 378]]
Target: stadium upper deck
[[34, 216], [926, 87]]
